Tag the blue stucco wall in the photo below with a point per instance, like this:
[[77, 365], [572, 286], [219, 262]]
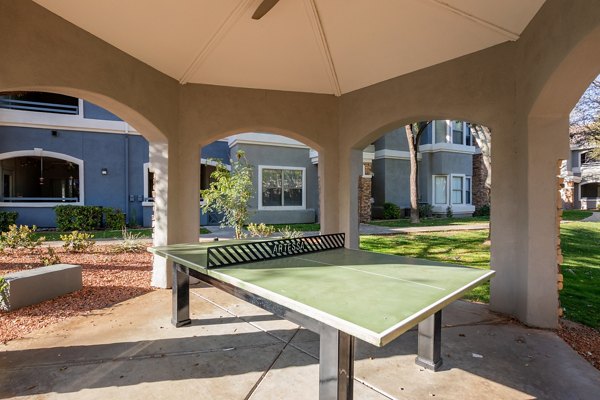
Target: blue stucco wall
[[123, 156], [92, 111]]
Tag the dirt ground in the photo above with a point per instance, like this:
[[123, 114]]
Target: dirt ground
[[110, 278]]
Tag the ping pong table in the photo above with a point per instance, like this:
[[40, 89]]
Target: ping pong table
[[339, 293]]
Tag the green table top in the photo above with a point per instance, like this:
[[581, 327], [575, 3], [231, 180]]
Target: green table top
[[375, 297]]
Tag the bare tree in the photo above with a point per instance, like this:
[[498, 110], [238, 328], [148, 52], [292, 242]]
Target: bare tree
[[585, 119], [483, 137], [413, 136]]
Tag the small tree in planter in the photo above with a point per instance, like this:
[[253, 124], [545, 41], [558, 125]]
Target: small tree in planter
[[229, 193]]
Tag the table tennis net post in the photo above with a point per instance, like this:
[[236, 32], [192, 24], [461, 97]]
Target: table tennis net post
[[243, 253]]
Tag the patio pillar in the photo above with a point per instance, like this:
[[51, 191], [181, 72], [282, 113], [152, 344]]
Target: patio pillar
[[542, 273], [176, 201], [524, 218], [350, 171], [329, 190]]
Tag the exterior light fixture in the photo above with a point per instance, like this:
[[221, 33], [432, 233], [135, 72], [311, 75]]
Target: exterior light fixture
[[104, 171]]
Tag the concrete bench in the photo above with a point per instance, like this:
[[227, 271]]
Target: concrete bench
[[39, 284]]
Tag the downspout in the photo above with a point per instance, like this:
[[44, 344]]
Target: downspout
[[126, 209]]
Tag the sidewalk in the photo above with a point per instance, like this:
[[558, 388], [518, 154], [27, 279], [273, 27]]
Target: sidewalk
[[234, 350], [364, 229]]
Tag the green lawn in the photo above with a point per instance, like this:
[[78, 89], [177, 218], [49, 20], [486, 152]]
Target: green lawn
[[405, 223], [581, 268], [575, 215], [299, 227]]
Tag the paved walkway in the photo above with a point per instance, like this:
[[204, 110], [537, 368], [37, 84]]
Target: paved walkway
[[234, 350], [365, 229], [595, 217]]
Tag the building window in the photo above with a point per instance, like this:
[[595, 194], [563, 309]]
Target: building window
[[468, 190], [282, 187], [38, 178], [455, 132], [148, 183], [458, 132], [441, 129], [457, 190], [590, 190], [440, 189]]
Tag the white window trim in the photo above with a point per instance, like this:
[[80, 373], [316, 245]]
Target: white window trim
[[464, 195], [448, 141], [40, 152], [147, 202], [449, 191], [586, 198], [433, 191], [260, 173]]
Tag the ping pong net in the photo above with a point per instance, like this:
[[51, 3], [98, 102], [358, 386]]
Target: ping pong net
[[254, 251]]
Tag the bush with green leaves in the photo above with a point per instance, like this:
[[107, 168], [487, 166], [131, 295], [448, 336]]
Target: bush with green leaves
[[77, 242], [131, 243], [78, 218], [425, 210], [49, 257], [391, 211], [114, 219], [3, 294], [20, 237], [449, 213], [260, 230], [482, 211], [7, 218], [288, 233], [229, 193]]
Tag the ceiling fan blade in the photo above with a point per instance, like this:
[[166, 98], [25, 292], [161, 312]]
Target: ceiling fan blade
[[263, 8]]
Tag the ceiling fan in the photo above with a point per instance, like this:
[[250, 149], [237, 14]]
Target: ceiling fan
[[263, 8]]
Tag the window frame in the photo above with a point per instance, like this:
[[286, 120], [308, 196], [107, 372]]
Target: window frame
[[434, 192], [282, 168], [37, 152], [450, 131]]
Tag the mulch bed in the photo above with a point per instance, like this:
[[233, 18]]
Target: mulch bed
[[583, 339], [108, 278]]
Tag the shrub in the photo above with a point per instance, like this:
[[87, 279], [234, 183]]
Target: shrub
[[7, 218], [114, 219], [131, 243], [261, 230], [77, 241], [482, 211], [425, 210], [20, 237], [391, 211], [288, 233], [50, 257], [78, 218], [449, 213], [3, 294]]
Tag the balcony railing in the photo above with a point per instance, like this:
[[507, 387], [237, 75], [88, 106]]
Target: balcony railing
[[23, 105]]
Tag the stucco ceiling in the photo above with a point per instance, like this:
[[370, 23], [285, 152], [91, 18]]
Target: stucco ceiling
[[320, 46]]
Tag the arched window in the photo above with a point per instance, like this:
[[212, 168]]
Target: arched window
[[40, 178]]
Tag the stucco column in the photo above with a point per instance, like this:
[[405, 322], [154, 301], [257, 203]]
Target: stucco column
[[524, 215], [161, 273], [329, 190], [350, 170], [542, 293], [176, 202]]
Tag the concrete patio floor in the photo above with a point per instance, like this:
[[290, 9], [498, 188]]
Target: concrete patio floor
[[236, 351]]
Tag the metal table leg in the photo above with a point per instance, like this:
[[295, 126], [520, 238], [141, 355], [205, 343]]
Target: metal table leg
[[181, 297], [336, 364], [430, 342]]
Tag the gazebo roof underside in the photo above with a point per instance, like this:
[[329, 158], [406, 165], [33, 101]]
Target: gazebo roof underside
[[317, 46]]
